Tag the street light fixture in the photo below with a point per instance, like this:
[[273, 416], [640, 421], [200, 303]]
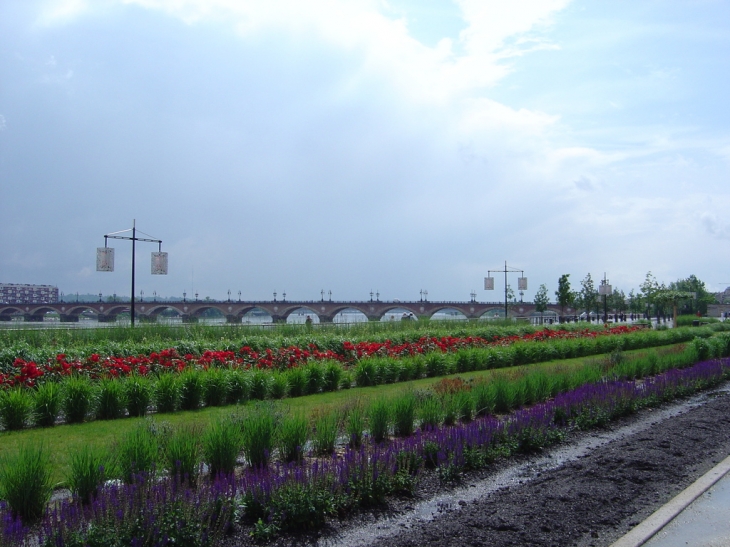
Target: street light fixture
[[371, 295], [154, 294], [229, 295], [330, 292], [141, 295], [239, 296], [274, 296], [283, 296], [322, 293], [521, 283], [185, 295], [196, 296]]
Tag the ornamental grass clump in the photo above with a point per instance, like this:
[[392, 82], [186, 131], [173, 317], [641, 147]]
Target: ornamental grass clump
[[110, 399], [222, 444], [238, 386], [191, 389], [25, 481], [378, 420], [258, 428], [260, 382], [332, 376], [89, 467], [16, 406], [181, 454], [430, 412], [326, 427], [47, 404], [292, 436], [215, 387], [279, 385], [403, 409], [166, 393], [315, 377], [297, 379], [355, 425], [138, 394], [78, 398], [137, 453]]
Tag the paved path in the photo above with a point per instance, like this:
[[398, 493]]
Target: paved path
[[699, 516]]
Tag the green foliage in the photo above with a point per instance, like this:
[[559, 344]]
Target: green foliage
[[404, 414], [137, 453], [258, 427], [15, 408], [292, 436], [166, 393], [191, 389], [239, 387], [78, 398], [355, 425], [279, 385], [89, 467], [222, 442], [297, 379], [378, 420], [215, 387], [260, 384], [326, 427], [25, 481], [181, 454], [332, 376], [47, 404], [430, 412], [138, 393], [110, 399]]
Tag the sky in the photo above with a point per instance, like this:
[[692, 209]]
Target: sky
[[357, 145]]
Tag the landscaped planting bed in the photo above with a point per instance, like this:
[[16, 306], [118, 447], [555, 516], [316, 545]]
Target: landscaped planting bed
[[284, 487], [165, 382]]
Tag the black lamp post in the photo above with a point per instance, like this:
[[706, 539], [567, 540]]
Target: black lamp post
[[239, 296], [229, 295], [322, 293], [283, 296], [274, 296], [185, 294], [154, 295], [371, 295], [99, 296], [330, 292]]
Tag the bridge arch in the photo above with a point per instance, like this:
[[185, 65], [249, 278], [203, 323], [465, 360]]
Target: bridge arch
[[450, 313]]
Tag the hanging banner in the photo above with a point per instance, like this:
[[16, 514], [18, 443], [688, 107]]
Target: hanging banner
[[104, 259], [488, 283], [604, 290], [521, 283], [159, 263]]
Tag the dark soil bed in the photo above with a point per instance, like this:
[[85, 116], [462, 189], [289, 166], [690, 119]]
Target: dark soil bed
[[597, 494]]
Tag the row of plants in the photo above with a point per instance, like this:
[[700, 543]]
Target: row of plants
[[296, 492], [76, 398], [28, 372]]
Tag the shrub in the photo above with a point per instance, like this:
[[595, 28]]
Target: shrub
[[326, 426], [258, 428], [166, 393], [181, 454], [25, 482], [365, 374], [292, 436], [88, 469], [138, 394], [465, 404], [77, 398], [137, 453], [110, 399], [191, 389], [404, 414], [378, 418], [221, 446], [15, 408], [47, 404]]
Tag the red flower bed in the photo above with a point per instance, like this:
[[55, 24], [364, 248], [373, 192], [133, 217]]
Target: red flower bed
[[28, 373]]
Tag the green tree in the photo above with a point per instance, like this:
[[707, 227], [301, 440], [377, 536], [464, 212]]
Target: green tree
[[541, 300], [649, 289], [694, 285], [588, 296], [617, 301], [565, 296]]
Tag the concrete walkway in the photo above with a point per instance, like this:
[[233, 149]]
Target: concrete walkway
[[698, 516]]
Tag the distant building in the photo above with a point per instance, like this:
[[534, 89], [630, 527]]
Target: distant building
[[12, 293]]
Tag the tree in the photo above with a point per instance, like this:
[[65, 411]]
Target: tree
[[542, 300], [588, 295], [617, 301], [565, 296], [672, 297], [649, 289], [694, 285]]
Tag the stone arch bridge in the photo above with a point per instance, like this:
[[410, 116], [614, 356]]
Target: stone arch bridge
[[279, 311]]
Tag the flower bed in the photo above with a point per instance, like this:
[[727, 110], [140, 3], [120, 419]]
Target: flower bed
[[267, 500], [29, 373]]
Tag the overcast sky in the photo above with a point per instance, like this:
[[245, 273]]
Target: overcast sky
[[350, 145]]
